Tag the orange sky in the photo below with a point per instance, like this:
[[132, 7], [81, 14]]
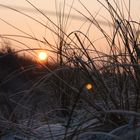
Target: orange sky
[[35, 29]]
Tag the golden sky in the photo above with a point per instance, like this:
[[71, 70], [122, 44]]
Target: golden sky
[[52, 6]]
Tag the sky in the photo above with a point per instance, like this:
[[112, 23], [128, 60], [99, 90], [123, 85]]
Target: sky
[[51, 7]]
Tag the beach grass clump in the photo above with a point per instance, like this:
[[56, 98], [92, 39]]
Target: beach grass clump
[[97, 93]]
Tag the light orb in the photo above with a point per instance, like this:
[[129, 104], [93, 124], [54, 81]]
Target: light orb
[[89, 86]]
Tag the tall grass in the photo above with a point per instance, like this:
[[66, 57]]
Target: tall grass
[[110, 108]]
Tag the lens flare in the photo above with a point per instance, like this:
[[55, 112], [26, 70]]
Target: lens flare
[[89, 86]]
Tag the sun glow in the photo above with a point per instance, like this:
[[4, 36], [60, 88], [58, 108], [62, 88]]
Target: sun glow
[[42, 56]]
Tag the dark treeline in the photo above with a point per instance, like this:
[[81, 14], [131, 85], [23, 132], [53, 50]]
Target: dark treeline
[[14, 69], [17, 70]]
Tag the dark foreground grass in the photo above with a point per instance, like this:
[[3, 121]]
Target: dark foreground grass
[[88, 94]]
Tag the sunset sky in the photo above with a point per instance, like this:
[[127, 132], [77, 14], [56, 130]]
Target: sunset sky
[[31, 27]]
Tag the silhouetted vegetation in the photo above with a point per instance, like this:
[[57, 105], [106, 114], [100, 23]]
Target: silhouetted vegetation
[[85, 93]]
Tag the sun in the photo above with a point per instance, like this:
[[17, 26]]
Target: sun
[[42, 56]]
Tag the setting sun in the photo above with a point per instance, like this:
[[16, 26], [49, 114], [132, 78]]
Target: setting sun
[[42, 56]]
